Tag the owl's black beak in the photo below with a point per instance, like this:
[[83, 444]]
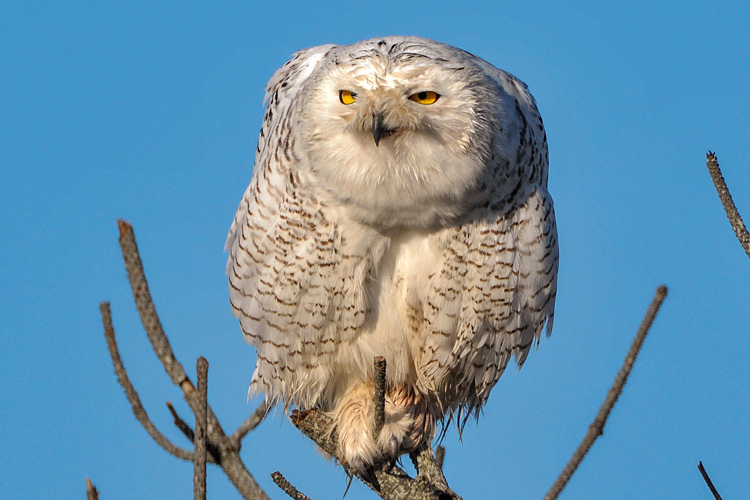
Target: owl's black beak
[[379, 128]]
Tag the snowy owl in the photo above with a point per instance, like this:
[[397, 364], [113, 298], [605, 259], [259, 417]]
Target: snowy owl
[[398, 207]]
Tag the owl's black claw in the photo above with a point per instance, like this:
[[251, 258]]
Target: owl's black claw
[[365, 471], [393, 452]]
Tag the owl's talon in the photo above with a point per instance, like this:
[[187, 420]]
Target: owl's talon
[[363, 470], [394, 451]]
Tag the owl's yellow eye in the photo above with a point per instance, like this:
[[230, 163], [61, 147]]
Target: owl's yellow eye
[[347, 96], [425, 97]]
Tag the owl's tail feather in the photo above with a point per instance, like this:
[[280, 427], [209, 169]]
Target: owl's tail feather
[[409, 422]]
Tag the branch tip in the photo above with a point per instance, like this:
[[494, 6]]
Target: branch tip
[[287, 487], [440, 456], [250, 423], [91, 492], [708, 481], [712, 163], [124, 227]]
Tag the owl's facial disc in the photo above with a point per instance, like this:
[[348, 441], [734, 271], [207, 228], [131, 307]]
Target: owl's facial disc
[[397, 139]]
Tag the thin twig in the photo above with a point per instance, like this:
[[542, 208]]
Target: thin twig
[[708, 481], [201, 423], [91, 492], [380, 368], [287, 487], [712, 162], [181, 424], [250, 423], [130, 392], [597, 426]]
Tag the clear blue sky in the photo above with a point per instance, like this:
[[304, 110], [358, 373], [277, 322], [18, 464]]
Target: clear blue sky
[[150, 111]]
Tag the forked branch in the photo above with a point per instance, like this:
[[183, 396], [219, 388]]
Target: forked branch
[[224, 450]]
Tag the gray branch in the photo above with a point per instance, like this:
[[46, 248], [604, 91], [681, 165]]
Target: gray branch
[[712, 162], [181, 424], [135, 402], [211, 450], [390, 483], [201, 422], [288, 487], [250, 423], [596, 428]]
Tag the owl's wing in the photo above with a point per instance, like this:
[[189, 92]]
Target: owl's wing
[[489, 298], [495, 287], [282, 248], [270, 172], [525, 122]]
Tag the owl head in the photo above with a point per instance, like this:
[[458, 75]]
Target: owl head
[[400, 130]]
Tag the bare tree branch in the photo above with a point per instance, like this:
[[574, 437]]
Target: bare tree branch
[[228, 449], [130, 392], [430, 471], [91, 492], [146, 308], [201, 422], [597, 426], [287, 487], [708, 481], [250, 423], [712, 162], [440, 456], [380, 367], [212, 451], [390, 483], [181, 424]]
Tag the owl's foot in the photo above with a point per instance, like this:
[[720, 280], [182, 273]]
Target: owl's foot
[[408, 423]]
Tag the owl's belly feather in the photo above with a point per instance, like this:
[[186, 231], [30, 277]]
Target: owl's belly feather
[[393, 326]]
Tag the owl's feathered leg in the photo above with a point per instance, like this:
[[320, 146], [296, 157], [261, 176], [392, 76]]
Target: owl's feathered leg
[[409, 422], [353, 419]]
